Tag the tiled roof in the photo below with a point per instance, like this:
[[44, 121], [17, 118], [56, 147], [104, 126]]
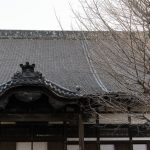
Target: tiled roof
[[60, 56]]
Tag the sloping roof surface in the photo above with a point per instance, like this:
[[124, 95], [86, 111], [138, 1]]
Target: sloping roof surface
[[60, 56]]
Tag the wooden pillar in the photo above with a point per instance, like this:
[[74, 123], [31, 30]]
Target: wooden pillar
[[130, 133], [32, 145], [81, 132], [64, 135], [97, 132], [148, 145]]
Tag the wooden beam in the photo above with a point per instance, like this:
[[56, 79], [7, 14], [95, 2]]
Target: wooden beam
[[38, 117], [81, 133]]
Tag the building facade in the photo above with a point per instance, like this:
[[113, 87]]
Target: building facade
[[55, 111]]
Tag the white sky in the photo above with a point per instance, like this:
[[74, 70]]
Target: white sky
[[36, 14]]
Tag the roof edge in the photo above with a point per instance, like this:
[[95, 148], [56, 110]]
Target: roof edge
[[52, 34]]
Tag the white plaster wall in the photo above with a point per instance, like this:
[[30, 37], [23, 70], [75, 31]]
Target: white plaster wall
[[27, 146], [115, 139], [141, 138], [23, 146], [72, 147], [139, 147], [113, 118], [40, 146], [120, 118], [107, 147]]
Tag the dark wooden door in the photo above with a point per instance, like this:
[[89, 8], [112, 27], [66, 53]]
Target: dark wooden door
[[55, 146], [7, 146], [91, 146], [122, 146]]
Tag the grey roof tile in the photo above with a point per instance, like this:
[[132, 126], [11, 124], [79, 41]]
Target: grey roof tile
[[61, 61], [61, 58]]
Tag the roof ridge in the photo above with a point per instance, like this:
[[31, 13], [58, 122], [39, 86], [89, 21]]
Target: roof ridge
[[51, 34]]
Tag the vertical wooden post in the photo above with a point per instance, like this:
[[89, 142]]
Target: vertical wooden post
[[32, 145], [81, 132], [65, 136], [97, 132], [130, 132]]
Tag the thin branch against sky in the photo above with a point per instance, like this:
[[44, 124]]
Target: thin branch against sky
[[36, 14]]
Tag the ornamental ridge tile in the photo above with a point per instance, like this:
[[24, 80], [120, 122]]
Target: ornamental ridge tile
[[28, 77]]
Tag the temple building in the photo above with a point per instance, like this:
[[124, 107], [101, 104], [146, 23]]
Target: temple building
[[51, 96]]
